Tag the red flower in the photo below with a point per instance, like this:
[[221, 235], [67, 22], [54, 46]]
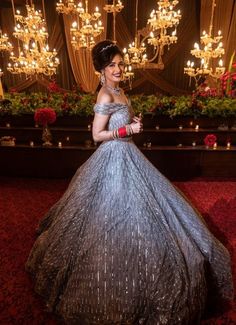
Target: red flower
[[25, 101], [205, 91], [44, 116], [210, 140], [228, 80], [225, 76], [233, 76], [13, 90], [65, 106], [53, 87]]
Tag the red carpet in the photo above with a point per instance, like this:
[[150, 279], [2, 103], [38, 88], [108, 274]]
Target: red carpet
[[24, 201]]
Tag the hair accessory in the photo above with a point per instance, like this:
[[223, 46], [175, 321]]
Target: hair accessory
[[107, 47]]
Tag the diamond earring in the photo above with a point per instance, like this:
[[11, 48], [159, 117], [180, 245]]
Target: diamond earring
[[102, 78]]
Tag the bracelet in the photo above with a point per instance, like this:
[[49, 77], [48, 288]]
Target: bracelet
[[129, 129], [122, 132], [115, 134]]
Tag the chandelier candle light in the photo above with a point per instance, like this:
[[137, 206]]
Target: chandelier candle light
[[114, 8], [136, 55], [5, 45], [68, 7], [160, 21], [86, 27], [34, 56], [212, 49], [83, 31], [128, 75]]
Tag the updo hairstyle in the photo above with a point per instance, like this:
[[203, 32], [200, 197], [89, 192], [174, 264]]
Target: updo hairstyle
[[103, 53]]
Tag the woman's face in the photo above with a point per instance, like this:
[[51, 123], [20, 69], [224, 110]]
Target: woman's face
[[114, 70]]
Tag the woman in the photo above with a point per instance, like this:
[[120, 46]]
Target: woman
[[122, 246]]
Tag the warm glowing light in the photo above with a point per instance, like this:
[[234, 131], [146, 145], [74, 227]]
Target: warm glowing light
[[212, 48], [86, 28], [5, 45], [34, 56], [163, 23]]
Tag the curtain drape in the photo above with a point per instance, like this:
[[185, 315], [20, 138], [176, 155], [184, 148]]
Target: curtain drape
[[1, 90]]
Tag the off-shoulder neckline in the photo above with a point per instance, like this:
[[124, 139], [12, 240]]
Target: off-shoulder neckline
[[113, 103]]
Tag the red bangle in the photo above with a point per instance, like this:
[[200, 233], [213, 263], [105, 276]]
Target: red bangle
[[122, 132]]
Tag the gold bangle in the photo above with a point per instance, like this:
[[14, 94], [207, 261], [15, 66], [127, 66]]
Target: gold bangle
[[127, 130], [115, 134], [130, 130]]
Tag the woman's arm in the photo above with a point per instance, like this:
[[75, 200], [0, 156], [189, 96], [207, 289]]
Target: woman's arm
[[99, 128]]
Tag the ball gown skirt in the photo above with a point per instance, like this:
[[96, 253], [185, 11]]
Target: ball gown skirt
[[123, 245]]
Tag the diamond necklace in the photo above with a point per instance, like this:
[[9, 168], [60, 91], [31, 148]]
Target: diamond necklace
[[116, 90]]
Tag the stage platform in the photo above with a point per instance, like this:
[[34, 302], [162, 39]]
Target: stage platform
[[175, 147]]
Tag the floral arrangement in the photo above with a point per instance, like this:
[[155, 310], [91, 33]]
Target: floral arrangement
[[5, 106], [75, 102], [203, 102], [45, 116], [210, 140], [228, 79], [53, 87], [144, 103]]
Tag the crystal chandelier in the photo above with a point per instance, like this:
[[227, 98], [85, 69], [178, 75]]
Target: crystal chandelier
[[32, 61], [5, 45], [34, 56], [87, 26], [159, 23], [114, 8], [66, 8], [136, 55], [212, 49], [83, 32], [128, 75]]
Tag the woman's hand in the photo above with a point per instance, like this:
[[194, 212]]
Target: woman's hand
[[137, 125]]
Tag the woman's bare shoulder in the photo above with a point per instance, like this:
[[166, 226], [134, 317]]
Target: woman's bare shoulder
[[104, 97]]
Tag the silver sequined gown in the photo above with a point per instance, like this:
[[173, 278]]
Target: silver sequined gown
[[123, 246]]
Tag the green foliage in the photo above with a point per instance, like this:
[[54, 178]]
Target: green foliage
[[81, 104], [71, 103], [143, 103], [181, 106], [222, 107], [197, 106]]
